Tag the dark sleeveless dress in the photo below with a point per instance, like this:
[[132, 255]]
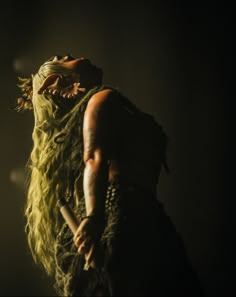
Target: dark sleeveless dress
[[144, 255]]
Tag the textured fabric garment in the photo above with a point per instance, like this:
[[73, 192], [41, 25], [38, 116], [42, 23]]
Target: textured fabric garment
[[144, 255]]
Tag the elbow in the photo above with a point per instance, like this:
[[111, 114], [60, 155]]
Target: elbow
[[96, 163], [95, 157]]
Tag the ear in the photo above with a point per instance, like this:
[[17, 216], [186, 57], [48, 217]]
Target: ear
[[50, 81]]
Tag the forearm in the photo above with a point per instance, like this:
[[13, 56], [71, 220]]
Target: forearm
[[95, 183]]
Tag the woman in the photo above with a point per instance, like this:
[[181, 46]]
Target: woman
[[103, 156]]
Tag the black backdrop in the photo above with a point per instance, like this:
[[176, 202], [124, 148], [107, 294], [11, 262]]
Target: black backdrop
[[173, 59]]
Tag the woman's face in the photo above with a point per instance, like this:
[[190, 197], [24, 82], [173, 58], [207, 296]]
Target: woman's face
[[71, 62]]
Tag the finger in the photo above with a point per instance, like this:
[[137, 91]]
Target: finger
[[84, 247], [89, 256], [79, 240], [78, 233], [79, 236], [81, 249]]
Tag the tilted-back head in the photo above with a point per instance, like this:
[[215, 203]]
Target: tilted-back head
[[59, 78]]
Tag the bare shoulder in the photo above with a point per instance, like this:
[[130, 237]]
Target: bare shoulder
[[99, 122], [102, 99], [101, 109]]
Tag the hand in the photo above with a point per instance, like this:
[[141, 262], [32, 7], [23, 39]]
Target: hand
[[86, 238]]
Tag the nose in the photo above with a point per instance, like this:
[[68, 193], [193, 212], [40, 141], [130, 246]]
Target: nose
[[72, 63]]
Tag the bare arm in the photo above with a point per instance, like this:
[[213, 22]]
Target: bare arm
[[97, 133], [97, 129]]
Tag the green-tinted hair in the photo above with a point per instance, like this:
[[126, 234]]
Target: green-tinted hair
[[55, 161]]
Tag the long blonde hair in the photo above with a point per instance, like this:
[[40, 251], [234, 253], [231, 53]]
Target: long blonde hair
[[55, 160]]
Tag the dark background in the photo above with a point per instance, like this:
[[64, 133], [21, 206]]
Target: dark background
[[173, 59]]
